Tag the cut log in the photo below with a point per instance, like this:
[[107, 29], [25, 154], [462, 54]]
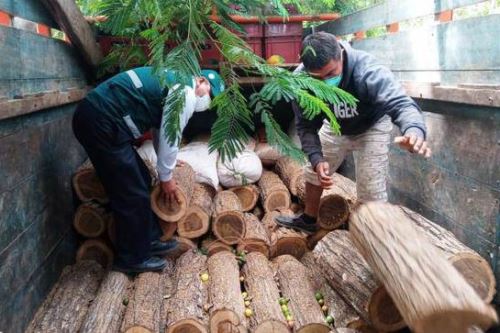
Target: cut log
[[474, 268], [68, 303], [185, 311], [258, 211], [227, 308], [228, 223], [143, 311], [349, 274], [343, 313], [168, 229], [197, 219], [346, 330], [336, 203], [248, 195], [295, 286], [173, 212], [91, 220], [212, 246], [183, 245], [97, 250], [312, 240], [88, 187], [283, 240], [107, 309], [256, 237], [291, 173], [273, 193], [296, 208], [431, 295], [262, 289]]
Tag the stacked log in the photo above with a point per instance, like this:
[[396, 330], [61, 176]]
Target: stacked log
[[474, 268], [248, 195], [168, 230], [283, 240], [273, 193], [226, 303], [262, 289], [295, 286], [349, 274], [107, 310], [173, 211], [65, 308], [256, 238], [185, 309], [91, 220], [97, 250], [196, 222], [212, 245], [291, 173], [228, 223], [87, 185], [183, 245], [432, 296]]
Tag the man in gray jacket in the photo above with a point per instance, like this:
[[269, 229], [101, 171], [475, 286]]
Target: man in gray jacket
[[365, 129]]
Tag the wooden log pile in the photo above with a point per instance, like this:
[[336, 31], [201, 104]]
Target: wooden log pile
[[236, 270]]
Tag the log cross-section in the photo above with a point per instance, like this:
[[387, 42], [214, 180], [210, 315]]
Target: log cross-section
[[228, 223], [256, 237], [283, 240], [273, 192], [196, 222]]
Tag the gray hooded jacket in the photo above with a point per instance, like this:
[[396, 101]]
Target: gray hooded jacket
[[378, 92]]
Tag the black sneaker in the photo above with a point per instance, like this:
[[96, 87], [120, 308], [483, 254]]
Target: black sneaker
[[152, 264], [297, 223], [159, 248]]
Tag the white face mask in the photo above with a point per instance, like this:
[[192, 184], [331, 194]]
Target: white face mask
[[202, 103]]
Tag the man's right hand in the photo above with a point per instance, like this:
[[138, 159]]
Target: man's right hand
[[323, 171], [170, 193]]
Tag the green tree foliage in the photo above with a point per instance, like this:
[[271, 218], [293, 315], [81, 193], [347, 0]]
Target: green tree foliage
[[187, 25]]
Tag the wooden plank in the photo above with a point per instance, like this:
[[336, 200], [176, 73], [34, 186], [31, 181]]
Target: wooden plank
[[390, 11], [31, 63], [444, 53], [30, 10], [485, 97], [71, 20], [41, 101]]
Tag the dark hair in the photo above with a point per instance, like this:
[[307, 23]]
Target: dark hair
[[318, 49]]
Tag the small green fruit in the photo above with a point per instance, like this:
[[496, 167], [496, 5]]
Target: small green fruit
[[284, 308], [248, 312], [125, 301], [247, 303], [318, 295], [244, 294], [204, 277], [329, 320], [283, 301], [321, 302], [324, 308]]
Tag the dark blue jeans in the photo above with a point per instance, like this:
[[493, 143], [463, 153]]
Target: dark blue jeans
[[125, 178]]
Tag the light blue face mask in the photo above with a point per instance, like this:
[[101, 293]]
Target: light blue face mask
[[334, 81]]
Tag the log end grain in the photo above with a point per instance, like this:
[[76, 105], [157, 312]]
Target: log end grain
[[213, 246], [187, 326], [169, 212], [229, 227], [194, 224], [294, 244], [254, 246], [333, 211], [183, 245], [272, 326], [314, 328], [278, 199], [96, 250], [383, 312], [477, 272], [90, 220], [88, 186], [168, 229], [248, 195]]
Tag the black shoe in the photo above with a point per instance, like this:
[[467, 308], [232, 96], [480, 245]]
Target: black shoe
[[159, 248], [152, 264], [297, 223]]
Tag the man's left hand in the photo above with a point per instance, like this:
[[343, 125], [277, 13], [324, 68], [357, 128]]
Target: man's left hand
[[414, 144]]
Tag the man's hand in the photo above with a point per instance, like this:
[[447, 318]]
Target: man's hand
[[323, 171], [414, 144], [170, 193]]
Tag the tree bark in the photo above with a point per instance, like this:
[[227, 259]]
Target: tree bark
[[248, 195], [174, 211], [291, 173], [91, 220], [68, 303], [262, 289], [349, 274], [343, 313], [212, 246], [197, 219], [258, 211], [294, 284], [256, 238], [183, 245], [474, 268], [227, 308], [336, 203], [107, 310], [228, 223], [97, 250], [312, 240], [185, 310], [273, 193], [432, 296], [284, 240], [144, 307], [88, 187]]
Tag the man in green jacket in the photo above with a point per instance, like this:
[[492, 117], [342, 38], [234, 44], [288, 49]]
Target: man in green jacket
[[106, 123]]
